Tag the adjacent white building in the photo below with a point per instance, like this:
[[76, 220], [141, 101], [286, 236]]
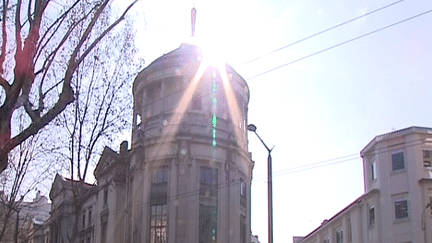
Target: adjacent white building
[[396, 206]]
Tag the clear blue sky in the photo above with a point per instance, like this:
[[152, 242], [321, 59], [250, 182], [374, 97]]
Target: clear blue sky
[[326, 106]]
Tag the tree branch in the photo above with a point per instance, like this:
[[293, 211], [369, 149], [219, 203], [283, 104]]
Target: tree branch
[[105, 32], [4, 36]]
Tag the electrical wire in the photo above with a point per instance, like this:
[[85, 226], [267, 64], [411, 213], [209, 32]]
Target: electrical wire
[[282, 172], [323, 31], [340, 44], [334, 161]]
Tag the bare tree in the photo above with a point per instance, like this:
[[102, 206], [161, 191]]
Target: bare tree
[[102, 107], [28, 170], [101, 110], [40, 56]]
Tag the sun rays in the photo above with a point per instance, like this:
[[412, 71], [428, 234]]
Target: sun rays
[[213, 64]]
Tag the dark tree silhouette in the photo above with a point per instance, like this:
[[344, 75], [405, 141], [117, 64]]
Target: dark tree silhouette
[[42, 45]]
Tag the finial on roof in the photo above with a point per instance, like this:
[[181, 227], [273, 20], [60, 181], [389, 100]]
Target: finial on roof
[[193, 19]]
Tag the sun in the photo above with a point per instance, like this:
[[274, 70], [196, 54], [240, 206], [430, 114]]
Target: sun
[[213, 52]]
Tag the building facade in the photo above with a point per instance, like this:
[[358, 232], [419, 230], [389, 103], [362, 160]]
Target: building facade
[[396, 206], [186, 176], [31, 217]]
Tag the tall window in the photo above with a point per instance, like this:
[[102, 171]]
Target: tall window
[[159, 187], [339, 236], [371, 216], [160, 175], [104, 227], [243, 193], [401, 209], [89, 216], [196, 102], [242, 229], [105, 196], [208, 217], [154, 91], [158, 224], [427, 154], [349, 231], [208, 182], [398, 161], [374, 170]]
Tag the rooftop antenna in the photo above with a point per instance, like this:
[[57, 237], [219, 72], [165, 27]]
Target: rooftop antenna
[[193, 19]]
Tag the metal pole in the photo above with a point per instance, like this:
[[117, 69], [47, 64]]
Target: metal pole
[[269, 190], [270, 197]]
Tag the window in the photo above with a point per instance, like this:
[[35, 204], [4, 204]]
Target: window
[[349, 231], [339, 236], [105, 196], [208, 216], [242, 193], [371, 216], [398, 161], [89, 215], [242, 229], [154, 91], [427, 154], [158, 224], [83, 220], [160, 175], [196, 102], [159, 186], [208, 182], [104, 227], [401, 209], [374, 170], [326, 240]]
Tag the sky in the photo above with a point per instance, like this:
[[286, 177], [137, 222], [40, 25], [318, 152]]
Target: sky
[[319, 111]]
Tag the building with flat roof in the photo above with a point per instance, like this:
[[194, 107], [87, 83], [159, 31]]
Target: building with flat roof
[[396, 206]]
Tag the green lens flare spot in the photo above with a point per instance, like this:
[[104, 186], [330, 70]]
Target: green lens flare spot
[[214, 121]]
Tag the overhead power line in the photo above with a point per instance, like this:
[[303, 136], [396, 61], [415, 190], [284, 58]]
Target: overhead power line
[[342, 43], [333, 161], [323, 31]]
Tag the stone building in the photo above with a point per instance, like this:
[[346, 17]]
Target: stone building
[[186, 176], [397, 204], [31, 217]]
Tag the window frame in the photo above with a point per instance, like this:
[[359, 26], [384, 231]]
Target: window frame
[[393, 167], [206, 185], [372, 216], [196, 102], [208, 218], [161, 214], [89, 215], [243, 192], [374, 172], [427, 161], [398, 212], [350, 233], [339, 235]]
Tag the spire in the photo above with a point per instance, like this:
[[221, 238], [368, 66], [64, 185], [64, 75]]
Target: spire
[[193, 19]]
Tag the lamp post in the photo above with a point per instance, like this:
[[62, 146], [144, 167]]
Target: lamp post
[[253, 128]]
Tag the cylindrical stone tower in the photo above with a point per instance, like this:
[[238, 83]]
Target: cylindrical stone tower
[[190, 169]]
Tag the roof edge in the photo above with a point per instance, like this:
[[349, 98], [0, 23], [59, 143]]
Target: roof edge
[[394, 134]]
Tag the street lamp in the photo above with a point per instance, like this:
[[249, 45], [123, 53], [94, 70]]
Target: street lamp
[[253, 128]]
